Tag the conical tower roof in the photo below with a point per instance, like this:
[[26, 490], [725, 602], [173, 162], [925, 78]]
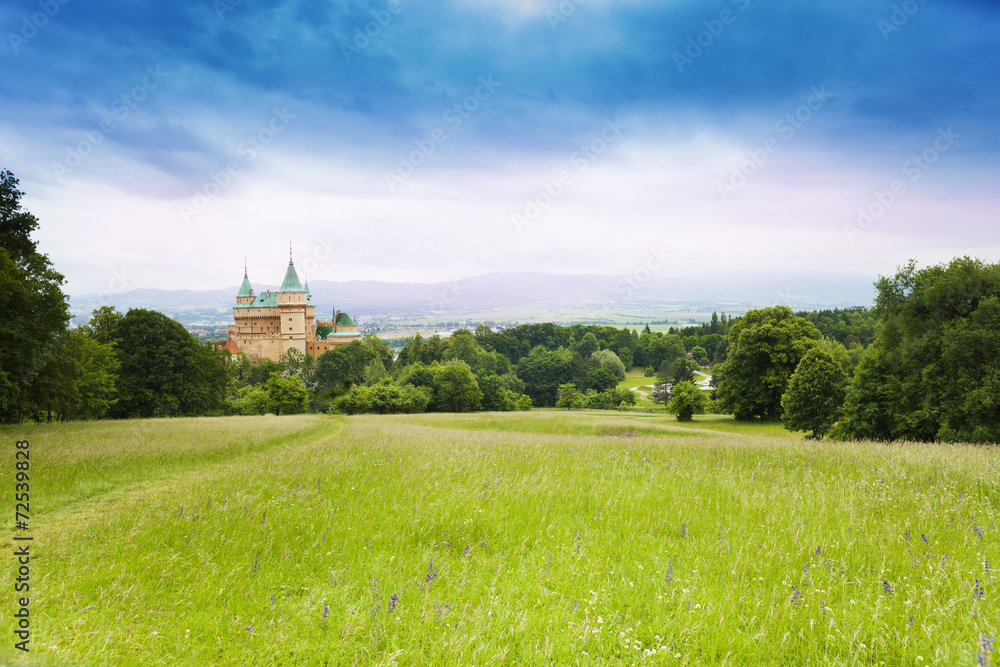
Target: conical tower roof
[[245, 288], [291, 282], [309, 296]]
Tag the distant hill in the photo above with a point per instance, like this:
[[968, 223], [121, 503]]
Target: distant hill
[[506, 291]]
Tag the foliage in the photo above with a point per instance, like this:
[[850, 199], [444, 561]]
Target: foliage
[[383, 399], [523, 403], [815, 394], [569, 397], [250, 400], [33, 310], [286, 395], [455, 388], [687, 400], [164, 370], [933, 371], [543, 372], [765, 347], [608, 359]]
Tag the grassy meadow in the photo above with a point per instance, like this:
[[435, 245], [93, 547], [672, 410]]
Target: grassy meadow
[[535, 538]]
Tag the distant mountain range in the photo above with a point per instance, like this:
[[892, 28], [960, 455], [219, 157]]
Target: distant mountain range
[[525, 291]]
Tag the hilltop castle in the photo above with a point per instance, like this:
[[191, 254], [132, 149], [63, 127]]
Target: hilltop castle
[[270, 323]]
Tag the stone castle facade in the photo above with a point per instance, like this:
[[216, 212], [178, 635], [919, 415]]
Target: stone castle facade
[[269, 324]]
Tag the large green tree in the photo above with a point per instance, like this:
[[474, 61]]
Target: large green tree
[[33, 310], [765, 348], [933, 372], [815, 394], [686, 401], [164, 370], [455, 388]]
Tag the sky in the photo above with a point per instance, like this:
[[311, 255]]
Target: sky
[[161, 143]]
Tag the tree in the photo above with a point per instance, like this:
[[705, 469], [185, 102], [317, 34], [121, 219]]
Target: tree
[[287, 395], [588, 345], [374, 371], [523, 403], [683, 372], [601, 379], [496, 396], [33, 310], [608, 359], [78, 380], [815, 394], [543, 372], [164, 370], [568, 397], [344, 365], [765, 348], [661, 393], [687, 401], [250, 400], [455, 388], [933, 372]]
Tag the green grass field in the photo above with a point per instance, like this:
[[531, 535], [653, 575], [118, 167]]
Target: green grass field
[[540, 538]]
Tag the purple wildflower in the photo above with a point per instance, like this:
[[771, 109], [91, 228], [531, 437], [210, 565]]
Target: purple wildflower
[[255, 566], [263, 518], [986, 647], [684, 530], [670, 573], [431, 574], [924, 538], [392, 602], [887, 588], [796, 595], [819, 551], [978, 531], [250, 629], [326, 610], [977, 591]]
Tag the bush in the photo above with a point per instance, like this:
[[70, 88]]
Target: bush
[[688, 400]]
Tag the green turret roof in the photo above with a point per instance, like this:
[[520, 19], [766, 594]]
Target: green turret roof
[[245, 288], [344, 320], [309, 296], [291, 282]]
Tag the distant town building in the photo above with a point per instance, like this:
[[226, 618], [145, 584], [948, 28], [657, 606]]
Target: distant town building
[[271, 323]]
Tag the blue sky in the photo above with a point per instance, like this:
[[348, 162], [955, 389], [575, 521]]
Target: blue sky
[[159, 142]]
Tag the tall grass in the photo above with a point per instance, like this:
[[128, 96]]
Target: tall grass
[[547, 538]]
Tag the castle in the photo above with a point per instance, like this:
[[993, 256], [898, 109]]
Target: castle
[[270, 323]]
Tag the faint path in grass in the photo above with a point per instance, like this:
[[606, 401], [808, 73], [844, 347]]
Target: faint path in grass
[[123, 460]]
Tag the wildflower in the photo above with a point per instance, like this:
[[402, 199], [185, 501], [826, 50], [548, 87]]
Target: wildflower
[[887, 587], [250, 629], [600, 620], [431, 574], [392, 602], [677, 655], [977, 591], [979, 531], [326, 610], [987, 647]]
